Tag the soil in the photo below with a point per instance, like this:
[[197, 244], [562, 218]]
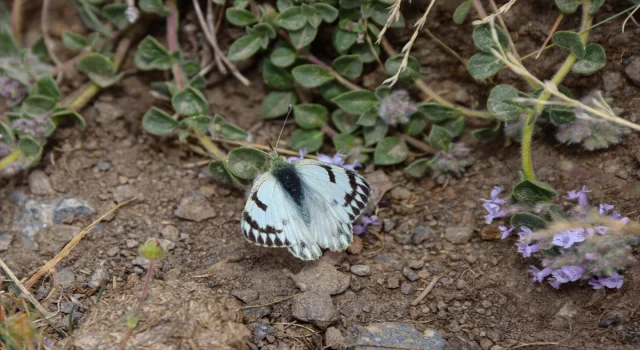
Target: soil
[[484, 297]]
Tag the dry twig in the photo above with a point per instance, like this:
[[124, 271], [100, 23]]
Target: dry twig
[[426, 290]]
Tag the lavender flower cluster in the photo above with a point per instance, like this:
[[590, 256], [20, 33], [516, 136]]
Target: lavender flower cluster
[[396, 108], [455, 161], [589, 252], [11, 90], [36, 128]]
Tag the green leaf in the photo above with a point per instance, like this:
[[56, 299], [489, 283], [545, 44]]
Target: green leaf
[[436, 112], [411, 73], [390, 151], [344, 143], [190, 102], [303, 37], [232, 132], [74, 41], [244, 48], [416, 124], [484, 40], [484, 65], [276, 104], [594, 59], [439, 138], [276, 77], [310, 115], [240, 17], [89, 15], [200, 122], [373, 134], [559, 115], [368, 118], [381, 14], [351, 4], [382, 92], [31, 150], [418, 168], [328, 12], [40, 50], [486, 133], [532, 221], [105, 81], [157, 122], [500, 103], [67, 114], [596, 4], [311, 75], [291, 19], [349, 66], [454, 126], [283, 56], [310, 140], [153, 6], [282, 5], [116, 14], [219, 172], [8, 45], [568, 6], [38, 105], [462, 11], [97, 64], [262, 30], [152, 55], [46, 86], [6, 135], [533, 192], [356, 102], [365, 52], [313, 16], [342, 40], [246, 163], [570, 41], [344, 121], [332, 89]]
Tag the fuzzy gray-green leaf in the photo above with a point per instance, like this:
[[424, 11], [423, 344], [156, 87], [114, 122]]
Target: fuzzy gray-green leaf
[[311, 75], [276, 77], [240, 17], [417, 168], [246, 163], [570, 41], [390, 151], [244, 48], [276, 104], [356, 102], [97, 64], [291, 18], [484, 65], [74, 41], [309, 140], [157, 122], [30, 149], [349, 66], [303, 37], [500, 103], [439, 138], [190, 102], [594, 59], [310, 115]]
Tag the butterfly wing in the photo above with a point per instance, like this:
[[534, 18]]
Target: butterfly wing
[[335, 198], [271, 219]]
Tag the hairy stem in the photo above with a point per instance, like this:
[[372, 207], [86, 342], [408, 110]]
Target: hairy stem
[[12, 157], [136, 312], [527, 132]]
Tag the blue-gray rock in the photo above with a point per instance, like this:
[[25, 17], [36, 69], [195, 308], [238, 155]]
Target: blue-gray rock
[[104, 165], [315, 307], [255, 314], [398, 335], [5, 240], [260, 330], [69, 209]]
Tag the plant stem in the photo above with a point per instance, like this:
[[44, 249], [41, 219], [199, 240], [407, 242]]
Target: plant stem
[[530, 121], [136, 312], [16, 21], [178, 76], [12, 157], [434, 95]]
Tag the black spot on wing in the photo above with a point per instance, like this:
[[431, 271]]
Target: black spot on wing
[[277, 242], [354, 200], [258, 202], [332, 176], [255, 226]]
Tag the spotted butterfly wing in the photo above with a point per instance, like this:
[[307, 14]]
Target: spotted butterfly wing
[[304, 206]]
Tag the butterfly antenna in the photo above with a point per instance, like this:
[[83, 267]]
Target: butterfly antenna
[[283, 125]]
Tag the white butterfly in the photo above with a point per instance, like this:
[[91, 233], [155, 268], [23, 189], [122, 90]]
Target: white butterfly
[[304, 206]]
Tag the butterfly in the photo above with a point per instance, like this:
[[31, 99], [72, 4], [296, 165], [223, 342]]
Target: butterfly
[[304, 206]]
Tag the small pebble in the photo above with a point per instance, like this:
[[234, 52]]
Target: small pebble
[[407, 288], [131, 243], [410, 274], [393, 282], [361, 270], [104, 165]]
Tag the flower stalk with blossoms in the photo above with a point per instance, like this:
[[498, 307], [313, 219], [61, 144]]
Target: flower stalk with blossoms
[[589, 245]]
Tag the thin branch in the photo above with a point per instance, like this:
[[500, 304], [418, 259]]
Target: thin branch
[[25, 291], [446, 47], [16, 21], [503, 9], [478, 5], [551, 32], [504, 26], [630, 17], [426, 290]]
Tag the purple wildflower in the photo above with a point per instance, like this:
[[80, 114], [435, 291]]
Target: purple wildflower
[[12, 90], [365, 221], [568, 238], [505, 231], [524, 233], [565, 274], [539, 275], [613, 281], [526, 250], [581, 196], [494, 196], [554, 282], [494, 212], [354, 165], [604, 208], [337, 159], [396, 108], [625, 220], [303, 152], [602, 230]]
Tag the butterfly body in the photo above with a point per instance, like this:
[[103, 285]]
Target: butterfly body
[[304, 206]]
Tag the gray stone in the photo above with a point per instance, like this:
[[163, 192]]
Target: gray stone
[[53, 238], [255, 314], [410, 274], [99, 276], [407, 288], [612, 81], [246, 295], [69, 209], [361, 270], [400, 193], [131, 243], [402, 238], [260, 330], [141, 261], [322, 277], [103, 165], [195, 208], [171, 233], [39, 183], [633, 70], [486, 343], [66, 278], [125, 192], [334, 338], [113, 251], [388, 225], [458, 234], [5, 240], [398, 335], [393, 282], [315, 307], [419, 234]]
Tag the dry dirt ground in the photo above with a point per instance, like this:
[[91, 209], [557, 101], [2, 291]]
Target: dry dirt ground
[[484, 297]]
